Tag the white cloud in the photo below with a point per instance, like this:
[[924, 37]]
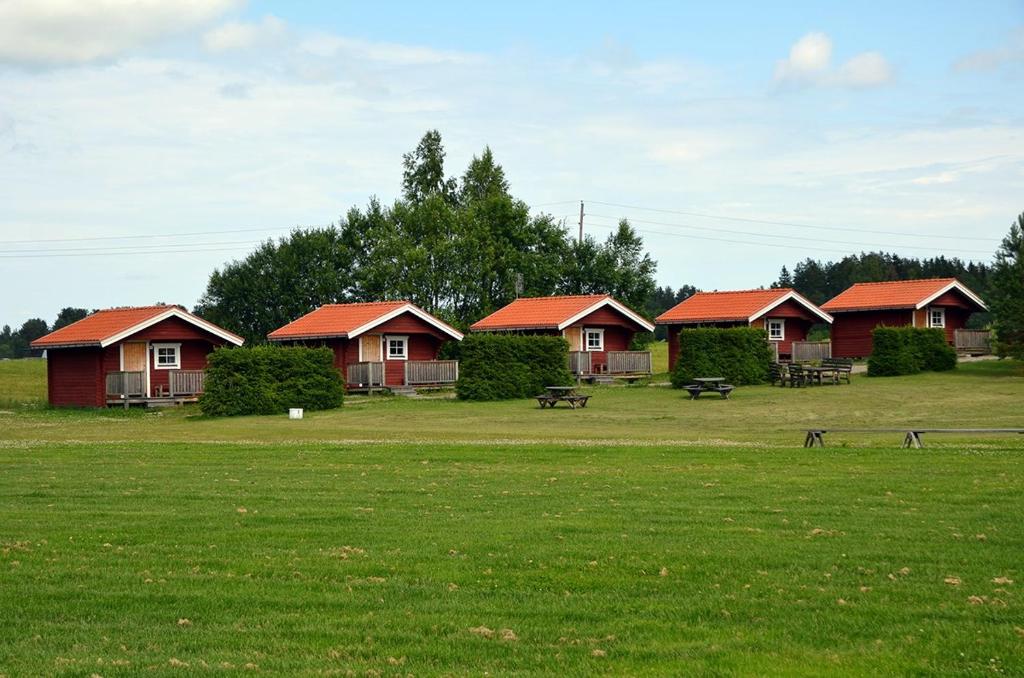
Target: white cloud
[[808, 58], [995, 58], [810, 64], [868, 69], [66, 32], [237, 35]]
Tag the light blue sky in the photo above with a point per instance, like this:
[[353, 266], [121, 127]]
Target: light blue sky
[[862, 120]]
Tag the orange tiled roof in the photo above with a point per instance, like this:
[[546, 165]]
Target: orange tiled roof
[[893, 294], [538, 312], [95, 328], [340, 320], [722, 306]]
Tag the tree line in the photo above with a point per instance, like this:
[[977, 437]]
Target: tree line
[[15, 343]]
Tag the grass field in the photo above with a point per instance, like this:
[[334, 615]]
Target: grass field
[[644, 535]]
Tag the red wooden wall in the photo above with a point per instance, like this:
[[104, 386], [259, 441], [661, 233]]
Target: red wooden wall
[[851, 332], [74, 377]]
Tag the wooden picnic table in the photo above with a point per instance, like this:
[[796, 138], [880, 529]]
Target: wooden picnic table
[[562, 394], [818, 372], [709, 385]]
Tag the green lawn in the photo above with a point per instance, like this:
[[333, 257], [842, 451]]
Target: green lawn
[[646, 534], [22, 382]]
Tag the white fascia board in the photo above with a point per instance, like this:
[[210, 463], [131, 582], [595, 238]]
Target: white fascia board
[[416, 311], [174, 312], [608, 301], [951, 286], [798, 299]]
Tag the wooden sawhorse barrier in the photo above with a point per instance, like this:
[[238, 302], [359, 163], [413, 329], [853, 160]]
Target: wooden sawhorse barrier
[[816, 436]]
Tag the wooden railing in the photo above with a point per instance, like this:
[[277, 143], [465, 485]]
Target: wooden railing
[[126, 384], [972, 341], [367, 374], [809, 351], [187, 382], [629, 362], [773, 351], [431, 372], [579, 362]]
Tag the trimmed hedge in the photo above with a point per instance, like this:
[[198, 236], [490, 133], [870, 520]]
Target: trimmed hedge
[[506, 366], [269, 380], [739, 354], [899, 351]]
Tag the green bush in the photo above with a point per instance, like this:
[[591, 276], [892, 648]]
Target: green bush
[[739, 354], [933, 351], [893, 353], [506, 366], [908, 350], [269, 380]]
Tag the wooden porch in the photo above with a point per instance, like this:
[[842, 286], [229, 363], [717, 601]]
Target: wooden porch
[[129, 388], [617, 364], [972, 342], [370, 375]]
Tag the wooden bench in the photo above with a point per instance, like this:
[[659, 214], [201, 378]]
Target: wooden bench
[[777, 373], [798, 376], [816, 436], [695, 390], [841, 368]]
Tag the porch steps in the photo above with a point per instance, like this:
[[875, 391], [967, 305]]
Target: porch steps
[[407, 391], [604, 379]]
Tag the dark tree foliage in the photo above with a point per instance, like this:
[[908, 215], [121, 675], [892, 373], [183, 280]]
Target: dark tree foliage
[[68, 315], [661, 300], [619, 266], [1006, 295], [278, 282], [785, 279], [460, 249]]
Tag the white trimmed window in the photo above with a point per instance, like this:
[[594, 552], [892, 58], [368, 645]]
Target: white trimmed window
[[594, 339], [398, 348], [167, 356], [776, 330], [936, 317]]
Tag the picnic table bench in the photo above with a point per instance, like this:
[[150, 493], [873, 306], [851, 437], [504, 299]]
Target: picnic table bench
[[709, 385], [562, 394], [815, 436]]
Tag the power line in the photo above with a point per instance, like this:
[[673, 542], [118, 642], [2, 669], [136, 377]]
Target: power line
[[785, 237], [788, 223], [133, 247], [735, 242], [113, 254], [154, 235]]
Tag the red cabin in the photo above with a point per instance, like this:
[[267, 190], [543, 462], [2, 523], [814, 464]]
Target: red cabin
[[145, 355], [599, 330], [383, 344], [782, 312], [936, 302]]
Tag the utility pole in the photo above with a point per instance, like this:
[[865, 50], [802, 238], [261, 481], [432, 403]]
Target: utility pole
[[581, 222]]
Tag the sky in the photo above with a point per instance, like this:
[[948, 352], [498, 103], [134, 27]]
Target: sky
[[144, 144]]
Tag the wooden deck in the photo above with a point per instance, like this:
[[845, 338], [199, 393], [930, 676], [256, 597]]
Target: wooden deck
[[624, 364], [127, 388]]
